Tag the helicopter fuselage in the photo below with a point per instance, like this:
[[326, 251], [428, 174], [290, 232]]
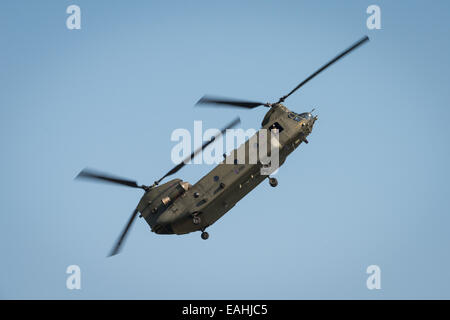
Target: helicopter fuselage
[[176, 207]]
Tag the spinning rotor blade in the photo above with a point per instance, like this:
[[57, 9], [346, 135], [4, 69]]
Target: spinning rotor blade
[[115, 250], [193, 154], [230, 102], [104, 177], [339, 56], [254, 104]]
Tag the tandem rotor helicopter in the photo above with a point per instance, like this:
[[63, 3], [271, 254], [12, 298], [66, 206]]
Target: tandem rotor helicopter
[[177, 207]]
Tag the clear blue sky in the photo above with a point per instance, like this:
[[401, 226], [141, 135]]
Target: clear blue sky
[[371, 187]]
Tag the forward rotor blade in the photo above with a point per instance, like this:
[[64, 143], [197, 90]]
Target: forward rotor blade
[[230, 102], [104, 177], [116, 249], [339, 56], [193, 154]]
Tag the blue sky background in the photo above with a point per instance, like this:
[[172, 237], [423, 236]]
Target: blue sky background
[[371, 187]]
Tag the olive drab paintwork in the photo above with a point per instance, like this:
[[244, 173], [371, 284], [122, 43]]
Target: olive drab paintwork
[[171, 208], [177, 207]]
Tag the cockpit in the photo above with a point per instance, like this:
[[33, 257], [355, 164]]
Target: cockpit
[[299, 117], [306, 115]]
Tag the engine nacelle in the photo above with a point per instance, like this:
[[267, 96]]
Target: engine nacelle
[[175, 192], [158, 199]]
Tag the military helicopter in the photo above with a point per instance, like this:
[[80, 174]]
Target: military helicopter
[[177, 207]]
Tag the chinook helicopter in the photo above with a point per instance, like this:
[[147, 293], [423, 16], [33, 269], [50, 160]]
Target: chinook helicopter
[[177, 207]]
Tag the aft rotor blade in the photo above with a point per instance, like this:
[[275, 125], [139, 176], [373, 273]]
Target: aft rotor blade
[[104, 177], [116, 249], [230, 102], [193, 154], [339, 56]]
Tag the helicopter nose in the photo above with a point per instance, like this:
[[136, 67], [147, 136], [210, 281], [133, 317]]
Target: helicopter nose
[[311, 123]]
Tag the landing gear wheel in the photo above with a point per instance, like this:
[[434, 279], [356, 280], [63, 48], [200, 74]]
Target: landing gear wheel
[[196, 220], [273, 182], [205, 235]]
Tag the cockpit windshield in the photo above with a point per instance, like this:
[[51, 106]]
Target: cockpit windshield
[[306, 115], [301, 116]]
